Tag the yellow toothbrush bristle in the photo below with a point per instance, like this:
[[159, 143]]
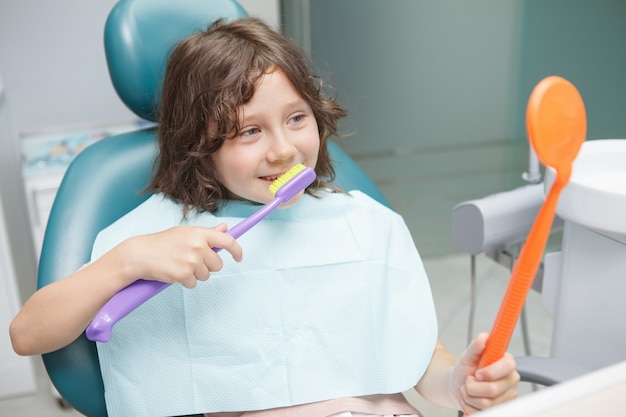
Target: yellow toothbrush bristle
[[282, 180]]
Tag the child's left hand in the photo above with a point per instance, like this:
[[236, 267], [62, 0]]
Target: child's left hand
[[476, 389]]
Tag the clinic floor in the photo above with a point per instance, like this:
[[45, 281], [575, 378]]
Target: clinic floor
[[450, 281]]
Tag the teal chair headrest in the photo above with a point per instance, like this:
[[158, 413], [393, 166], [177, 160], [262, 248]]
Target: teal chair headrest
[[139, 36]]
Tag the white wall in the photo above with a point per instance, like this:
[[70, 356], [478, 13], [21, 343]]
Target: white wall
[[268, 10], [53, 65], [15, 216]]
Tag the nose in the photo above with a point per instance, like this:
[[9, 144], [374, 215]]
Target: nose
[[281, 148]]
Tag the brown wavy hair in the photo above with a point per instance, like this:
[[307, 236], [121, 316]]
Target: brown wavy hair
[[209, 75]]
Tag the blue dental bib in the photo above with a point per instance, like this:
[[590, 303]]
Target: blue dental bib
[[331, 300]]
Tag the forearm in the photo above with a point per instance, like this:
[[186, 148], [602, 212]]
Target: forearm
[[58, 313], [436, 384]]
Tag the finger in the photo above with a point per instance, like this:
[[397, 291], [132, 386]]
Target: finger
[[222, 227], [493, 388], [475, 404], [189, 282], [497, 370], [480, 395], [479, 343], [202, 271], [226, 242], [471, 404], [474, 351], [212, 262]]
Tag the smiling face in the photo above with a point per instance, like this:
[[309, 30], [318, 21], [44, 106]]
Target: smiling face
[[277, 131], [204, 154]]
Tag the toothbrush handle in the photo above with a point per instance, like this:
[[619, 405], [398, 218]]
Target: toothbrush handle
[[140, 291], [122, 303], [249, 222], [522, 277]]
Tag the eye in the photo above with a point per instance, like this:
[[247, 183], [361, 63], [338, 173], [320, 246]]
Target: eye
[[297, 118], [250, 132]]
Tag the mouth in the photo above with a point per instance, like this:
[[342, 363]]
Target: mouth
[[272, 178]]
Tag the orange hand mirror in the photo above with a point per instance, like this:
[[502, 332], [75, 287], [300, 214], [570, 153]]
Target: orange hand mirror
[[557, 126]]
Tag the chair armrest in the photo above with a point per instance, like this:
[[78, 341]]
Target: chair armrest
[[547, 371]]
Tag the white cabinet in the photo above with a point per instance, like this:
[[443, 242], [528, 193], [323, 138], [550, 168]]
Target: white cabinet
[[45, 158], [17, 375], [40, 193]]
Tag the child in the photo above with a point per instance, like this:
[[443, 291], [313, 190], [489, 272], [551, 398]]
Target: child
[[329, 314]]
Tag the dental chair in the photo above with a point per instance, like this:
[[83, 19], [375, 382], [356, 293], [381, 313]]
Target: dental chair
[[106, 180]]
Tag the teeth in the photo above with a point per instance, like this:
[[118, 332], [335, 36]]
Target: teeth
[[273, 178]]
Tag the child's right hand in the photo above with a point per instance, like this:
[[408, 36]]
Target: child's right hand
[[182, 254]]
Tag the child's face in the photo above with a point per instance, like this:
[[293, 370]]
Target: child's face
[[278, 130]]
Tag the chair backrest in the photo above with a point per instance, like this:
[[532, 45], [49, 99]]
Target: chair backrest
[[106, 180]]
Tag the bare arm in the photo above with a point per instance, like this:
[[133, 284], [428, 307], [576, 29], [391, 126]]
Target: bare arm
[[58, 313], [461, 385]]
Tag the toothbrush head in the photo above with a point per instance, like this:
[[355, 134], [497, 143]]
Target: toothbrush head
[[292, 182]]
